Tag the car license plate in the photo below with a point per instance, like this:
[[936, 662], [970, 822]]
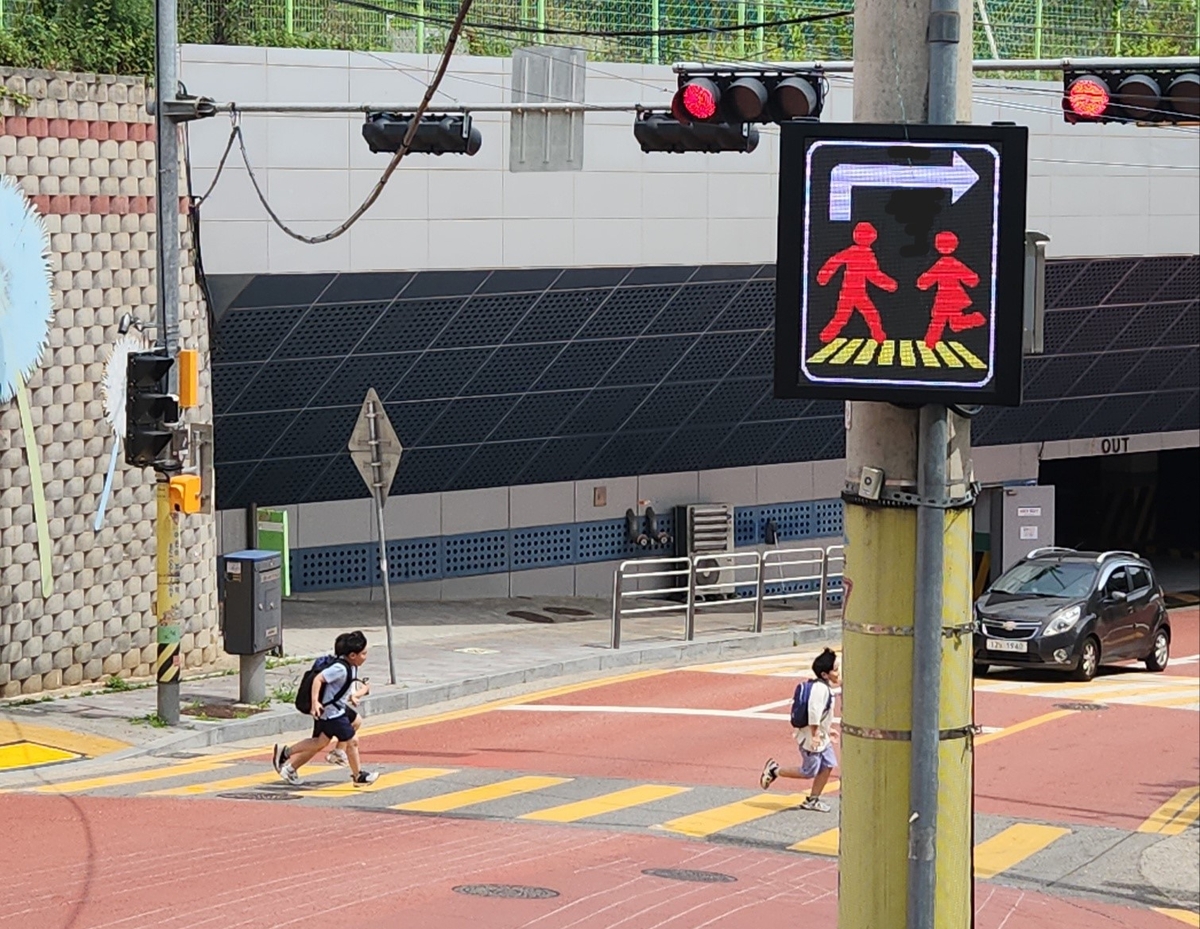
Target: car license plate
[[1007, 645]]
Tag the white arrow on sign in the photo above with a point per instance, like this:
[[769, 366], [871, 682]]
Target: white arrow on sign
[[958, 177]]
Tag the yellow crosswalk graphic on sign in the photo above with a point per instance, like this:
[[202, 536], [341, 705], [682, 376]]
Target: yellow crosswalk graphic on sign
[[908, 358], [867, 353], [928, 358], [887, 352], [828, 350], [968, 356], [952, 354], [951, 359], [847, 352], [1174, 816]]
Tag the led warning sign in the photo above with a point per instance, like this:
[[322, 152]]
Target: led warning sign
[[901, 261]]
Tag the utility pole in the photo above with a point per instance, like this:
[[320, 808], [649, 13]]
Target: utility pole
[[168, 661], [905, 842]]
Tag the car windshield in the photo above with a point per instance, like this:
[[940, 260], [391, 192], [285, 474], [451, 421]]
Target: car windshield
[[1048, 579]]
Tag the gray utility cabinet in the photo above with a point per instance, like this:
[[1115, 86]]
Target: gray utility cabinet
[[1022, 519], [253, 582]]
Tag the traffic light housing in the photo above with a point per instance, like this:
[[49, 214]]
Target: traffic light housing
[[662, 132], [436, 135], [149, 411], [1123, 95], [748, 96]]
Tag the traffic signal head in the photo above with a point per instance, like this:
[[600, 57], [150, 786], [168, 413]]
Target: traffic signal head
[[1117, 95], [747, 96], [149, 411], [436, 135], [662, 132]]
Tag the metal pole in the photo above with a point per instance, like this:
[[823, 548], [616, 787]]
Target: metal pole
[[760, 591], [289, 16], [615, 635], [740, 42], [252, 678], [420, 27], [655, 47], [541, 21], [759, 35], [168, 661], [689, 622], [1038, 15], [824, 588], [377, 493]]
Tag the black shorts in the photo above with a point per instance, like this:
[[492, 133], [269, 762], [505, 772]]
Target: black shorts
[[340, 727]]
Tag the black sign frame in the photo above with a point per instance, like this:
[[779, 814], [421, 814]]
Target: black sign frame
[[1000, 382]]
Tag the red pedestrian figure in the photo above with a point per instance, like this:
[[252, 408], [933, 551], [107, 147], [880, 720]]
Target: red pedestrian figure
[[949, 275], [861, 268]]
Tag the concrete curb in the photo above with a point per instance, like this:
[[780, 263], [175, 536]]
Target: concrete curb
[[286, 719]]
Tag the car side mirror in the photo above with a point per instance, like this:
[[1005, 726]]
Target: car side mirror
[[1117, 596]]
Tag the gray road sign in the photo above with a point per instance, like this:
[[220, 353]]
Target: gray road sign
[[374, 446]]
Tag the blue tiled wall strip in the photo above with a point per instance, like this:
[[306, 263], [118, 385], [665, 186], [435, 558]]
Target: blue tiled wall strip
[[503, 550]]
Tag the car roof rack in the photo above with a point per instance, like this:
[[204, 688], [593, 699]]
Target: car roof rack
[[1117, 553], [1049, 550]]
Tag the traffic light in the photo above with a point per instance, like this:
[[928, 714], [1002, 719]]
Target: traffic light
[[748, 96], [662, 132], [436, 135], [1121, 95], [149, 411]]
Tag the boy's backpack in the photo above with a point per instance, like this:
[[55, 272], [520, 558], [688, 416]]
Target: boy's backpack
[[304, 693], [800, 704]]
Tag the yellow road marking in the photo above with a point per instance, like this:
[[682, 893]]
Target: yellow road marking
[[705, 823], [607, 803], [30, 754], [968, 356], [847, 352], [827, 350], [132, 777], [867, 353], [1192, 702], [383, 782], [887, 352], [1022, 726], [927, 356], [1012, 846], [473, 795], [826, 843], [948, 356], [1176, 814], [74, 742], [908, 358], [233, 783], [1187, 917]]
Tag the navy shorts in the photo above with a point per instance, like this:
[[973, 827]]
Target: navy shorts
[[340, 727]]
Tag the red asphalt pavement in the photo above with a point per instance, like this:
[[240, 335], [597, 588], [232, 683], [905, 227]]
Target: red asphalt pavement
[[96, 863]]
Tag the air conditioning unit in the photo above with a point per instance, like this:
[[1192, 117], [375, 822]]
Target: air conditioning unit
[[707, 529]]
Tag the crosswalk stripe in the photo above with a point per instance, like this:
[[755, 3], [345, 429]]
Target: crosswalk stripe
[[907, 357], [606, 803], [948, 356], [501, 790], [927, 355], [827, 350], [383, 782], [1180, 809], [868, 352], [887, 351], [846, 353], [1187, 917], [705, 823], [968, 356], [231, 783], [132, 777], [826, 843], [1012, 846]]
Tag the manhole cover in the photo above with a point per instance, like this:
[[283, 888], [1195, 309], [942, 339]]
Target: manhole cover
[[567, 611], [509, 891], [258, 795], [1081, 706], [531, 617], [686, 874]]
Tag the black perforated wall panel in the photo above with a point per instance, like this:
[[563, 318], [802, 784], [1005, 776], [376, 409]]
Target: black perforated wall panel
[[515, 377]]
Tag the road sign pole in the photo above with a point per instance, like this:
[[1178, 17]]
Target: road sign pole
[[379, 494]]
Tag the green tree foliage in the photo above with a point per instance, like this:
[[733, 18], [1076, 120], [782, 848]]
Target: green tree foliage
[[104, 36]]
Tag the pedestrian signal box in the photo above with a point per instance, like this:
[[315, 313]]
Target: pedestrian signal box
[[900, 270]]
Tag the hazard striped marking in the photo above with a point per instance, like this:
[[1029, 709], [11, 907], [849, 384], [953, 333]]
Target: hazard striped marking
[[1187, 917], [132, 777], [1012, 846], [31, 754], [606, 803], [383, 782], [1174, 816], [475, 795], [707, 822]]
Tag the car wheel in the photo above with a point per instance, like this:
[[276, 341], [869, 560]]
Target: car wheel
[[981, 670], [1089, 660], [1160, 654]]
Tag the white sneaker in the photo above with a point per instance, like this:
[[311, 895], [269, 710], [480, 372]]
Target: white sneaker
[[364, 777], [816, 804], [338, 757], [288, 773]]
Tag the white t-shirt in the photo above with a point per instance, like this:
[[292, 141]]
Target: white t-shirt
[[820, 696]]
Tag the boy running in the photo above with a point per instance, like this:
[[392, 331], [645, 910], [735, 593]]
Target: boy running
[[817, 758], [334, 716]]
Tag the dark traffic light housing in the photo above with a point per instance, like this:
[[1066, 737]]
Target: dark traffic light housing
[[748, 96], [662, 132], [436, 135], [1124, 95], [149, 411]]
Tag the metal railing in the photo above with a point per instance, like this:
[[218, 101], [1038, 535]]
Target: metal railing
[[656, 586]]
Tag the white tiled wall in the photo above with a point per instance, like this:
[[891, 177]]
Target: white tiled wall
[[1095, 189]]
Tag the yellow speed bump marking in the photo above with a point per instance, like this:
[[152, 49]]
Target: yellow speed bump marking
[[826, 843], [383, 782], [1187, 917], [607, 803], [473, 795], [131, 777], [708, 822], [74, 742], [31, 754], [1012, 846], [1176, 814]]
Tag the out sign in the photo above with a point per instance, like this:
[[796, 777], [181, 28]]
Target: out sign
[[901, 261]]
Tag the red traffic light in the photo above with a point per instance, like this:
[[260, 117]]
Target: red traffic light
[[1087, 97], [696, 101]]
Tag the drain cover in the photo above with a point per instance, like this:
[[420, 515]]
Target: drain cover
[[686, 874], [508, 891], [1081, 706], [567, 611], [530, 616], [258, 795]]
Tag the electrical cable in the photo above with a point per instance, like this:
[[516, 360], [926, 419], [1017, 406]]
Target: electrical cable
[[193, 217]]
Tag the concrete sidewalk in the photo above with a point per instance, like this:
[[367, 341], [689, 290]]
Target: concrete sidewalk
[[444, 651]]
